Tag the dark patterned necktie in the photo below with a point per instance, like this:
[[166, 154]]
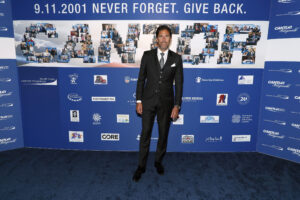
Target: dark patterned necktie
[[162, 61]]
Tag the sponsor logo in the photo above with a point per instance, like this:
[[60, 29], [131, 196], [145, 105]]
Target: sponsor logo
[[245, 79], [273, 134], [273, 147], [74, 115], [243, 99], [110, 136], [74, 97], [2, 1], [180, 120], [293, 138], [214, 139], [281, 70], [191, 99], [139, 137], [3, 28], [222, 99], [128, 79], [110, 99], [282, 123], [6, 105], [297, 85], [4, 68], [279, 84], [286, 29], [274, 109], [8, 128], [5, 93], [236, 119], [132, 101], [297, 98], [295, 112], [290, 13], [279, 96], [100, 79], [73, 78], [75, 136], [41, 81], [241, 118], [97, 119], [187, 139], [201, 80], [297, 126], [7, 140], [241, 138], [209, 119], [294, 151], [122, 118], [285, 1], [5, 80], [5, 117]]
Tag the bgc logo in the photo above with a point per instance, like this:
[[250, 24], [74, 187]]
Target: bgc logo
[[222, 99]]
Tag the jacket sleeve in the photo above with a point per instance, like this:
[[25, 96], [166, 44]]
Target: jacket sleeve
[[141, 78], [178, 82]]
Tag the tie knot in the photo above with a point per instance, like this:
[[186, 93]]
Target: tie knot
[[162, 54]]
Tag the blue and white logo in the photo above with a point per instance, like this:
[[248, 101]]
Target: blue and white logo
[[74, 97], [286, 29], [209, 119], [243, 99]]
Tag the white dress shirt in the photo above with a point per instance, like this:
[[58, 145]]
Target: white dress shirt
[[165, 55]]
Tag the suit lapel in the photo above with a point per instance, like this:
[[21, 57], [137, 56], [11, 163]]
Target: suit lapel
[[169, 59], [157, 65]]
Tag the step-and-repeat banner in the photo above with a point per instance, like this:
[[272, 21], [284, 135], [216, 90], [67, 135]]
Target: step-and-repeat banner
[[79, 61], [279, 131], [11, 135]]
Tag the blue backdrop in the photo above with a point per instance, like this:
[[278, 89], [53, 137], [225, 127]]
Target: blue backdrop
[[78, 101]]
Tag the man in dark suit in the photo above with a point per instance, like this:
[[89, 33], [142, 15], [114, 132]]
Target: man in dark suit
[[155, 97]]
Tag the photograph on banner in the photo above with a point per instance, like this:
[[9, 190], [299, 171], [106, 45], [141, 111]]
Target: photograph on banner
[[111, 43]]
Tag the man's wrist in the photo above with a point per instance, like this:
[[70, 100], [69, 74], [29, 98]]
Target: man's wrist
[[178, 106]]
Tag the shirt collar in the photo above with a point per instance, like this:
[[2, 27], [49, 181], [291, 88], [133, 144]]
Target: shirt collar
[[165, 53]]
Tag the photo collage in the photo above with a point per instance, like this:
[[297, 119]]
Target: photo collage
[[246, 47], [28, 44], [211, 37], [126, 51]]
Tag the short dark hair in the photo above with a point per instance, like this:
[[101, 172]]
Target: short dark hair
[[163, 27]]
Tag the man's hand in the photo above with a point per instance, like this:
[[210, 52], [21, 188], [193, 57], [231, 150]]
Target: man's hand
[[139, 108], [175, 112]]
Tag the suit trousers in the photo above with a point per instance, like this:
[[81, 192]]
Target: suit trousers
[[162, 113]]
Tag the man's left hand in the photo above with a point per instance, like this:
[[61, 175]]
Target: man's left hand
[[175, 112]]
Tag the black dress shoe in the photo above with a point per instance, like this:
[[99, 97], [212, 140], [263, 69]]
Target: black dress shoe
[[138, 173], [159, 168]]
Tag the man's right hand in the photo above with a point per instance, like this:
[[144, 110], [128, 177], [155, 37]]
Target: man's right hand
[[139, 108]]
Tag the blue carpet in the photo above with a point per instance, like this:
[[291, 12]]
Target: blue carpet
[[39, 174]]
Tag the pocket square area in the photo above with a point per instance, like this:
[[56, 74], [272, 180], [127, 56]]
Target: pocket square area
[[173, 65]]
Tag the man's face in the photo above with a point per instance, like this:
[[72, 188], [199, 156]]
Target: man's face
[[163, 40]]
